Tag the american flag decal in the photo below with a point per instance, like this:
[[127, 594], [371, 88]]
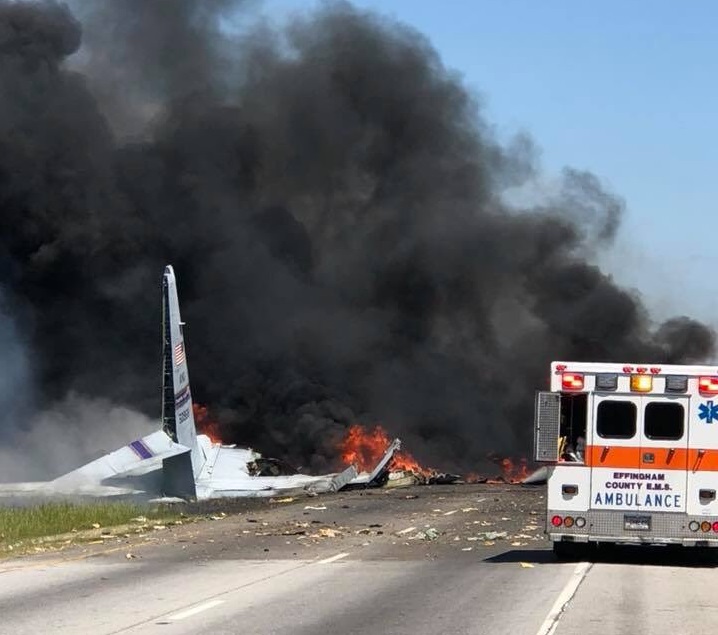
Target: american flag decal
[[179, 354]]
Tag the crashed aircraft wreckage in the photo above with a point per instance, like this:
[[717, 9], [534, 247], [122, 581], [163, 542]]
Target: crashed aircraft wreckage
[[176, 461]]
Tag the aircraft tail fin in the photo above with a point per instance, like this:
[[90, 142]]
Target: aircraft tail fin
[[177, 414]]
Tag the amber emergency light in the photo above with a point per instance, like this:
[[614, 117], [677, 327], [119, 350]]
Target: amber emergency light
[[641, 383]]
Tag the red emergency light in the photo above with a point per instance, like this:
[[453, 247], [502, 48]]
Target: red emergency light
[[572, 381], [708, 385]]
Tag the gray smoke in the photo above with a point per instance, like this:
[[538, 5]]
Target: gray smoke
[[67, 434], [334, 203]]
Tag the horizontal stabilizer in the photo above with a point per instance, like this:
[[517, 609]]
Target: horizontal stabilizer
[[136, 458]]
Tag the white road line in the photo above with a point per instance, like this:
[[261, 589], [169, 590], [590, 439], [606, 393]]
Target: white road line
[[197, 609], [405, 531], [339, 556], [551, 622]]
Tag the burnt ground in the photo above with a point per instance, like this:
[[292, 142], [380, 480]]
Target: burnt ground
[[438, 521]]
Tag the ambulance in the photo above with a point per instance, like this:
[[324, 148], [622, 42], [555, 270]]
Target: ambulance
[[631, 453]]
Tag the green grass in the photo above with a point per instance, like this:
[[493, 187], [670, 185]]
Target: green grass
[[51, 519]]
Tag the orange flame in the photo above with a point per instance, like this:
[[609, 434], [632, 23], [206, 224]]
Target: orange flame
[[205, 424], [364, 449], [512, 472]]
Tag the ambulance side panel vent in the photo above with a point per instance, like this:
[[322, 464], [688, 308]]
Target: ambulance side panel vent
[[546, 426]]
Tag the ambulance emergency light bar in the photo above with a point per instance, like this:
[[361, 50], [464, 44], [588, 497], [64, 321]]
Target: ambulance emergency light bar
[[638, 383], [708, 385]]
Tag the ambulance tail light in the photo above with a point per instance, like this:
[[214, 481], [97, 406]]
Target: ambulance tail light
[[580, 521], [568, 522], [708, 385], [694, 525], [572, 381], [641, 383], [715, 526], [557, 521], [705, 526]]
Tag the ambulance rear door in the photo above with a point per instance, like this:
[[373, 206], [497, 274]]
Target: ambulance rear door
[[664, 453], [615, 449]]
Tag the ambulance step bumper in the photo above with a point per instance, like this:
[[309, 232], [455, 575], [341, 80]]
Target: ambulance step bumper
[[668, 528], [629, 540]]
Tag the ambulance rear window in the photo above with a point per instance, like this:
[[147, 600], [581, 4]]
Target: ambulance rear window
[[616, 419], [664, 420]]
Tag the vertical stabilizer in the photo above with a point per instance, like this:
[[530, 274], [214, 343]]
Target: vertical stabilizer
[[177, 415]]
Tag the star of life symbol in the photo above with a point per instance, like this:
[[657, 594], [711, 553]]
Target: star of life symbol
[[708, 411]]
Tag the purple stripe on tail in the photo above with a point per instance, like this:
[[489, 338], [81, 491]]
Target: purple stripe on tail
[[141, 449]]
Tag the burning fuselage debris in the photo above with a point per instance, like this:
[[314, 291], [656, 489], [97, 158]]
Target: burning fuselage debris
[[178, 462]]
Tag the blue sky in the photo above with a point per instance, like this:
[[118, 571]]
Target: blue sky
[[623, 89]]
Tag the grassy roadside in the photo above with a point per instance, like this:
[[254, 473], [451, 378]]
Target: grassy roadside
[[24, 529]]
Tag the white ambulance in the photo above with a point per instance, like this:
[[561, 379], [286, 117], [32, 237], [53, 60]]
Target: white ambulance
[[632, 452]]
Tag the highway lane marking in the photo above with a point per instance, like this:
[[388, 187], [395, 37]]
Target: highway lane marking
[[339, 556], [551, 622], [200, 608]]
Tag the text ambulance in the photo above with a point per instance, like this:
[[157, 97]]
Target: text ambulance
[[633, 453]]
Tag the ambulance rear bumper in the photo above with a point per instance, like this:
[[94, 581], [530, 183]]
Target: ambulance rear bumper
[[617, 526], [632, 540]]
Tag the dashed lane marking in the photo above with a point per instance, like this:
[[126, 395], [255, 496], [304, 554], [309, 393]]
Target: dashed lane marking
[[200, 608], [339, 556]]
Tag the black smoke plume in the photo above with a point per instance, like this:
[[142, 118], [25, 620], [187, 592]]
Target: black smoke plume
[[335, 207]]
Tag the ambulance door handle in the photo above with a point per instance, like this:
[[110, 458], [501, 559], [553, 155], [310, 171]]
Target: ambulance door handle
[[699, 458], [648, 457], [671, 452], [606, 448]]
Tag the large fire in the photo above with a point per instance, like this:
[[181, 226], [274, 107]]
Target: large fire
[[205, 424], [364, 449]]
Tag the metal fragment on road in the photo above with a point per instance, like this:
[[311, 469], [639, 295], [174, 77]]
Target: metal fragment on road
[[429, 534], [492, 535]]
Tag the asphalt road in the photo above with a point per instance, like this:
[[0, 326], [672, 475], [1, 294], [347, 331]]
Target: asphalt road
[[455, 559]]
